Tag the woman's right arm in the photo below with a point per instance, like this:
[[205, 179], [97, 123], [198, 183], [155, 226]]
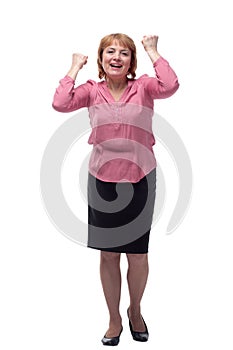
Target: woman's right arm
[[78, 61], [67, 98]]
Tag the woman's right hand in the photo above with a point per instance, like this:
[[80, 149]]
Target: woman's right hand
[[78, 61]]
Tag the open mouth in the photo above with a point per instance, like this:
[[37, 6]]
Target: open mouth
[[114, 65]]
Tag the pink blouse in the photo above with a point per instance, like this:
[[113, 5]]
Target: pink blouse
[[122, 135]]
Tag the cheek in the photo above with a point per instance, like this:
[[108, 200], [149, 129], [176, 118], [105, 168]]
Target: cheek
[[104, 58], [128, 63], [104, 62], [129, 59]]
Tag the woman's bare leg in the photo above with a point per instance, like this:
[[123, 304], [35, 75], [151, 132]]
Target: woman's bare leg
[[111, 282], [137, 278]]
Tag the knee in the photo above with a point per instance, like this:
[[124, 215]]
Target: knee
[[110, 257], [137, 259]]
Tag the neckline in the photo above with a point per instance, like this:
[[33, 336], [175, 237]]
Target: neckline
[[110, 94]]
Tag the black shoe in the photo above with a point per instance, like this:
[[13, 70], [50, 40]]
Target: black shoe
[[112, 341], [139, 336]]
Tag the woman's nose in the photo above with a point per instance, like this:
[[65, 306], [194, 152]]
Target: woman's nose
[[117, 55]]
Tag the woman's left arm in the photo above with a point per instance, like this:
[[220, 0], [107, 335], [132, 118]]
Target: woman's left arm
[[165, 84]]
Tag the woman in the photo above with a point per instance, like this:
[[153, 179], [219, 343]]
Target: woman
[[122, 167]]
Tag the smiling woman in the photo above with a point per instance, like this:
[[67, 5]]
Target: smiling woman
[[115, 42], [122, 160], [116, 61]]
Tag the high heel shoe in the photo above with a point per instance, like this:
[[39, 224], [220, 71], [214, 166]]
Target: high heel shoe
[[112, 341], [138, 336]]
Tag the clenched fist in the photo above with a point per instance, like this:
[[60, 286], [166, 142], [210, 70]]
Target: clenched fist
[[78, 61], [149, 43]]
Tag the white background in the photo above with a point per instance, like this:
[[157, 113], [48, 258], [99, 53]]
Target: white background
[[51, 297]]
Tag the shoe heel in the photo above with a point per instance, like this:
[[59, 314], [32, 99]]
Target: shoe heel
[[138, 336]]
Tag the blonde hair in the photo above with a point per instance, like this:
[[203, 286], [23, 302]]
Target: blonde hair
[[123, 40]]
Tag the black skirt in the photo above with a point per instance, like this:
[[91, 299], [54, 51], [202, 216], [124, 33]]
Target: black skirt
[[120, 214]]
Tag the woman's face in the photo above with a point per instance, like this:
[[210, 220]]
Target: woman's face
[[116, 61]]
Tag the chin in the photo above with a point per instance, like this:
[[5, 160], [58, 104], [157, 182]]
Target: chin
[[116, 75]]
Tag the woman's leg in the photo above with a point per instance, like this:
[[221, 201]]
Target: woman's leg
[[111, 282], [137, 278]]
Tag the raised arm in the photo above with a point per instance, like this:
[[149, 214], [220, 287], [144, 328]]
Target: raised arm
[[149, 43], [78, 61], [165, 82], [67, 98]]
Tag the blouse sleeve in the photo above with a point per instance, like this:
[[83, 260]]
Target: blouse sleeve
[[67, 98], [165, 83]]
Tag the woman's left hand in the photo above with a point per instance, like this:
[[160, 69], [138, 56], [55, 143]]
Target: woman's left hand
[[150, 42]]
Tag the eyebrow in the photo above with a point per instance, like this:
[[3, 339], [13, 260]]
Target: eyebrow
[[113, 48]]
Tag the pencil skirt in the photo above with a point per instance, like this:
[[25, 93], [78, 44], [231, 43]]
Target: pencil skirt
[[120, 214]]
